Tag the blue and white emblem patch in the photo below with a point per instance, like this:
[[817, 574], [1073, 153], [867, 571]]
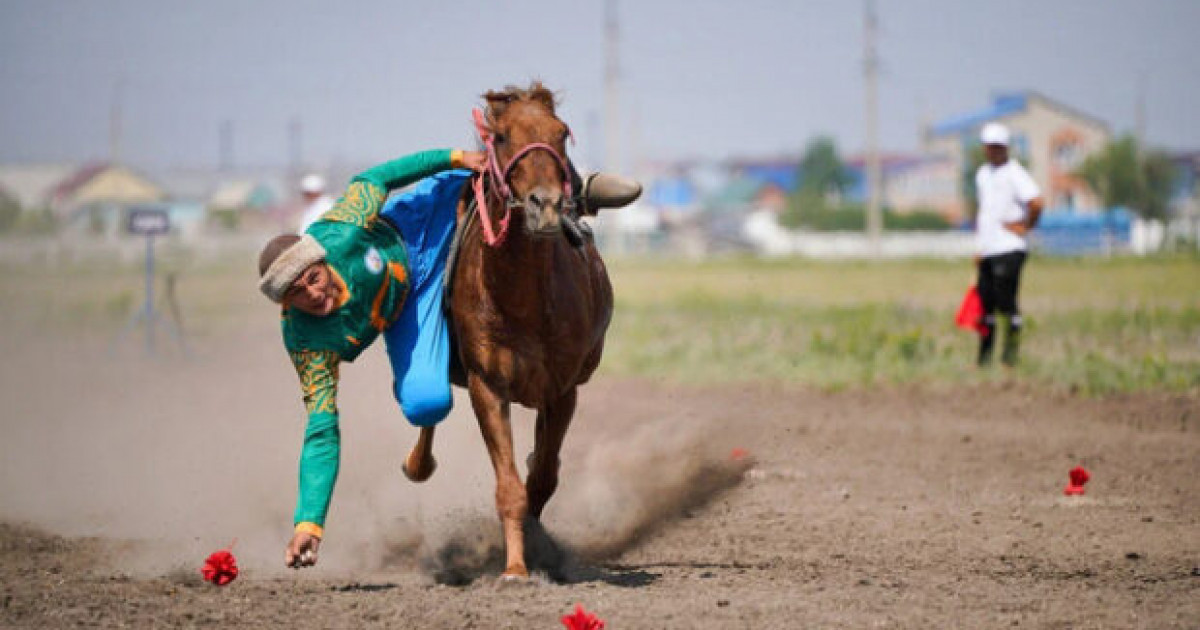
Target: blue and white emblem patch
[[373, 261]]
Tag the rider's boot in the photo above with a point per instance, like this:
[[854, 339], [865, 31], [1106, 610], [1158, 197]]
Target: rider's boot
[[597, 191], [603, 190]]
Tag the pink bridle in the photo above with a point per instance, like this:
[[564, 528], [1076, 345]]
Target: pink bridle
[[500, 180]]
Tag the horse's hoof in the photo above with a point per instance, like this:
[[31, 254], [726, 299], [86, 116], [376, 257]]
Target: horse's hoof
[[420, 474], [513, 580]]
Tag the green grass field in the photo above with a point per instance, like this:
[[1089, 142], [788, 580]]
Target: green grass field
[[1093, 326]]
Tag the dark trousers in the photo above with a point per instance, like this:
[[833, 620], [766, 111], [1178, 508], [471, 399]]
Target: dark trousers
[[998, 284]]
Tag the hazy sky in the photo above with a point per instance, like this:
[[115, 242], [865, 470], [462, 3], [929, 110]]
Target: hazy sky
[[701, 78]]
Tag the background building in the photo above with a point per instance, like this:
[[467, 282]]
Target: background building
[[1051, 138]]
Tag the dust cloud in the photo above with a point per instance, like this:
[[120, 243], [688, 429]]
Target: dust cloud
[[182, 456]]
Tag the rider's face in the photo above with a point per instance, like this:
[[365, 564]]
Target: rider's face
[[315, 292]]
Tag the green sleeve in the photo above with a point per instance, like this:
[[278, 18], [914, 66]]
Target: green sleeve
[[407, 170], [360, 205], [369, 189], [320, 455]]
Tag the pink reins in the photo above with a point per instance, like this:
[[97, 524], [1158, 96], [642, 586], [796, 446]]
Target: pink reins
[[500, 179]]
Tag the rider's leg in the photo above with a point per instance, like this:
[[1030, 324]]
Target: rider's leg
[[418, 342], [418, 346]]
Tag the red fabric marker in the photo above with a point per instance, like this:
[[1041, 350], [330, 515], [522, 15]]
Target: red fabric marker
[[582, 620], [1079, 476], [970, 312], [221, 567]]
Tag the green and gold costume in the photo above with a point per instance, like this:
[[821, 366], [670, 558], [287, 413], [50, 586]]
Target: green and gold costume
[[368, 256]]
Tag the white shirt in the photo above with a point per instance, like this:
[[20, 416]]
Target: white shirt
[[1003, 193], [314, 210]]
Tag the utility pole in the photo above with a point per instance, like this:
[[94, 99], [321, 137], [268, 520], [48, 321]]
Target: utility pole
[[1139, 114], [610, 238], [874, 171], [612, 122], [114, 121], [295, 150], [225, 145]]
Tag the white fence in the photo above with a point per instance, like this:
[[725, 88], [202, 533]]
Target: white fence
[[770, 239]]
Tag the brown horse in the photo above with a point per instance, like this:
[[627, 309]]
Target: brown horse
[[528, 313]]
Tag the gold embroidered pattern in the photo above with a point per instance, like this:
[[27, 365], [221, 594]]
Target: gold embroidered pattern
[[318, 370], [359, 206]]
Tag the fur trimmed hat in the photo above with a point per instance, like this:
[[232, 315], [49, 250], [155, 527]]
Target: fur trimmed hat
[[284, 260]]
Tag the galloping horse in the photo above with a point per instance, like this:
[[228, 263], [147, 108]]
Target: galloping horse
[[528, 309]]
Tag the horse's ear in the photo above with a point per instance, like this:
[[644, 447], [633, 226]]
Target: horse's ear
[[497, 101], [542, 94]]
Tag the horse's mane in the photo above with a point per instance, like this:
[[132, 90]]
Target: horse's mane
[[536, 92]]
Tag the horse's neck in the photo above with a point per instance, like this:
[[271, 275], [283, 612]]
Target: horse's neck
[[519, 262]]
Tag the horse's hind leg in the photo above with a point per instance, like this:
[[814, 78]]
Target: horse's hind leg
[[420, 464], [511, 500], [552, 424]]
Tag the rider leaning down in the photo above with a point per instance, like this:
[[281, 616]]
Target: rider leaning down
[[369, 266]]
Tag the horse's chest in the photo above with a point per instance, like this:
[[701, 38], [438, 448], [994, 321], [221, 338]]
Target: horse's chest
[[531, 361]]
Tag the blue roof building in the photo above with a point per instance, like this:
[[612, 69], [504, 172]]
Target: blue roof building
[[1051, 138]]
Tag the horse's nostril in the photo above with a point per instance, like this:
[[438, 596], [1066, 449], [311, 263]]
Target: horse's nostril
[[535, 200]]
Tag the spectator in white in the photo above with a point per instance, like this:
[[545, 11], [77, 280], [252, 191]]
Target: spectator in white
[[1009, 206], [316, 202]]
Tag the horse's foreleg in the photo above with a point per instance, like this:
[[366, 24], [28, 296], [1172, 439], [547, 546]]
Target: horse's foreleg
[[420, 464], [511, 501], [552, 424]]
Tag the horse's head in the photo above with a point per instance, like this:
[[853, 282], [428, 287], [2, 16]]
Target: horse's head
[[522, 125]]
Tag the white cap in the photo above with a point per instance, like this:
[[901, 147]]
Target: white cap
[[994, 133], [312, 183]]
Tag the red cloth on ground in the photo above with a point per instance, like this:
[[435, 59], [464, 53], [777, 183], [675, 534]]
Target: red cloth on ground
[[220, 568], [1079, 476], [582, 620], [970, 312]]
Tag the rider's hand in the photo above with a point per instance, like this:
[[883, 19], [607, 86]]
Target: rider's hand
[[302, 551], [474, 160]]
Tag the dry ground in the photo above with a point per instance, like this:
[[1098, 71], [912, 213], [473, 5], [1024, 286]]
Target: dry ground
[[894, 507]]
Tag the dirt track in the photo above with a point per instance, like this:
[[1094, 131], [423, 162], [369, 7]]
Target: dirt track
[[862, 509]]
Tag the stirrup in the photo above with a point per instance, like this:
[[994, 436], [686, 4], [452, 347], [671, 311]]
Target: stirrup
[[578, 232], [602, 190]]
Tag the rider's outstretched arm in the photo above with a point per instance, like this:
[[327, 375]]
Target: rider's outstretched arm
[[320, 456], [369, 189]]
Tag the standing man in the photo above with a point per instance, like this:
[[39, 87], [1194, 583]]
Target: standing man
[[1009, 206], [316, 202]]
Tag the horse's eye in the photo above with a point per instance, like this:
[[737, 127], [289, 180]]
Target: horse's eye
[[501, 138]]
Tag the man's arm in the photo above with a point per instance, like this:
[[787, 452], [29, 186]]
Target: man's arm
[[1034, 207], [1033, 212], [1029, 195], [320, 455], [367, 191]]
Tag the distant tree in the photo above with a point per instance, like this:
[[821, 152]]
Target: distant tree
[[975, 159], [1123, 174], [10, 211], [37, 221], [822, 171], [822, 178]]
